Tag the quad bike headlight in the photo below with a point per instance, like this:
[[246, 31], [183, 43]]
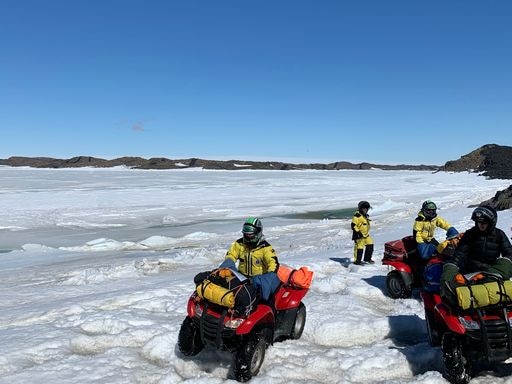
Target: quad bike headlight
[[468, 323], [233, 323]]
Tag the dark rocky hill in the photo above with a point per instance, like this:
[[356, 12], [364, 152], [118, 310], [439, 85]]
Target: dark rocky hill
[[494, 161], [165, 163], [501, 200]]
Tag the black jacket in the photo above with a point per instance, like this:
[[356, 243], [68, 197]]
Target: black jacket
[[477, 248]]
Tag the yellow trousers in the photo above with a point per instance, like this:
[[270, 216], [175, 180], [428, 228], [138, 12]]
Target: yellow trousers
[[359, 246]]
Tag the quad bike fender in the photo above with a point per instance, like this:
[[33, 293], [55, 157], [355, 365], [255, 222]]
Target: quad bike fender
[[399, 266], [430, 300], [263, 315], [450, 319], [287, 297], [191, 306], [407, 277]]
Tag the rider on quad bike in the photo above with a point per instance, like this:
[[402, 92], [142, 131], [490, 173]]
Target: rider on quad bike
[[483, 248], [408, 256], [424, 228], [247, 311], [256, 258], [409, 270], [471, 316], [434, 267]]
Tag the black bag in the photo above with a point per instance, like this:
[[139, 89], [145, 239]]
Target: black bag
[[246, 294]]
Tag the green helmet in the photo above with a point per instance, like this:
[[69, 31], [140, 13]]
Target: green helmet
[[252, 230], [429, 209]]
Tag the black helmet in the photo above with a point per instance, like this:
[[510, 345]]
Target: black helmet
[[485, 214], [429, 209], [363, 204], [252, 230]]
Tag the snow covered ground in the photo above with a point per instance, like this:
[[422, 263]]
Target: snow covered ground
[[97, 267]]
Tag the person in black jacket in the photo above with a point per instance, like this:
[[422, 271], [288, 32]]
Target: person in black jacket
[[483, 248]]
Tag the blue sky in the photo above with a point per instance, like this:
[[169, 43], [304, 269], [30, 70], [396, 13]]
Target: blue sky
[[380, 81]]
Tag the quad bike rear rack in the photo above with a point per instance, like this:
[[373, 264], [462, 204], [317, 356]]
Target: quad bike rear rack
[[496, 336]]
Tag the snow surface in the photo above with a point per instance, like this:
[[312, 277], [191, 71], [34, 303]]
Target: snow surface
[[97, 266]]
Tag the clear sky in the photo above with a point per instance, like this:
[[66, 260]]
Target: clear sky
[[293, 80]]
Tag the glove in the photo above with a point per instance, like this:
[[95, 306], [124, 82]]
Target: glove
[[225, 272], [478, 276], [459, 279]]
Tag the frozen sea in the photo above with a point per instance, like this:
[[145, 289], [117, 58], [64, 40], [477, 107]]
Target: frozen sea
[[97, 267]]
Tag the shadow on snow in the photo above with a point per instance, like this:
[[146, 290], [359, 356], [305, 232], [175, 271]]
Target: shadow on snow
[[409, 334]]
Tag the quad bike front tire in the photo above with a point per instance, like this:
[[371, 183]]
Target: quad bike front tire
[[189, 339], [249, 358], [300, 322], [397, 289], [457, 368]]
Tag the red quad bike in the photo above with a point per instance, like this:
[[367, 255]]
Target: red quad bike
[[468, 337], [407, 267], [246, 336]]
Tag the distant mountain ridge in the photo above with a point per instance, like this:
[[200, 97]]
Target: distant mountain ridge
[[494, 161], [165, 163]]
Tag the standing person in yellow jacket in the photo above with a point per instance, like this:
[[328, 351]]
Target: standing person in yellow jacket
[[256, 258], [363, 242], [424, 229]]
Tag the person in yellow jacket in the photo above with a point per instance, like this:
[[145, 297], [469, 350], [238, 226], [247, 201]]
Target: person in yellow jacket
[[424, 229], [363, 242], [434, 268], [256, 258]]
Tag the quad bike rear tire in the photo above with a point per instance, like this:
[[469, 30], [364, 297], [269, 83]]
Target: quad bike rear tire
[[457, 368], [397, 289], [300, 322], [189, 339], [249, 357]]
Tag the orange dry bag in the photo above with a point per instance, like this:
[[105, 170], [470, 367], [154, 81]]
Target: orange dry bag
[[299, 278]]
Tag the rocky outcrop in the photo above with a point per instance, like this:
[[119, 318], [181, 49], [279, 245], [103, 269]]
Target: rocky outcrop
[[165, 163], [494, 161], [502, 200]]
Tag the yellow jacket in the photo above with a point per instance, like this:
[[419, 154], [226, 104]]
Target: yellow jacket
[[253, 261], [424, 229], [360, 226]]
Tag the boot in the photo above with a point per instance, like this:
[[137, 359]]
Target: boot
[[359, 256], [368, 252]]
